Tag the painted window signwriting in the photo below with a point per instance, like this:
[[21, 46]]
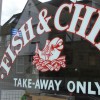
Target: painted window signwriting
[[10, 55], [56, 85], [49, 58], [61, 62]]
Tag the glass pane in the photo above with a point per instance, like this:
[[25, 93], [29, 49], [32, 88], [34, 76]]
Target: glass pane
[[50, 50]]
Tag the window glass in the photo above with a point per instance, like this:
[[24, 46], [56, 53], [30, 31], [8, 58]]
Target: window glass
[[50, 50]]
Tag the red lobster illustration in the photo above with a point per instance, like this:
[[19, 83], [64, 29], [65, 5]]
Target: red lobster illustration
[[49, 58]]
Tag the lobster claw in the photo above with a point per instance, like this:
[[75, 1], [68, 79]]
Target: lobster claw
[[51, 50], [56, 46]]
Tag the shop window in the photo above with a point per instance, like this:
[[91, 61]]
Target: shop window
[[0, 38], [30, 58], [81, 57], [64, 69], [11, 94], [12, 20], [20, 65], [7, 42], [29, 13], [26, 60], [69, 58], [92, 60], [29, 5]]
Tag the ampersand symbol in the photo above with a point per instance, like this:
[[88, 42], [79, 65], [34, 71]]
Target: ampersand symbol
[[43, 24]]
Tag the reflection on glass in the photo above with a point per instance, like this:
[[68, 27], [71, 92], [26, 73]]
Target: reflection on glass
[[82, 58]]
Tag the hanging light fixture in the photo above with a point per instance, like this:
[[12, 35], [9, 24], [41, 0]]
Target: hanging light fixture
[[43, 1]]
